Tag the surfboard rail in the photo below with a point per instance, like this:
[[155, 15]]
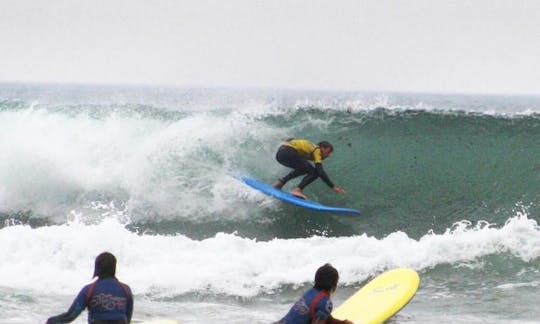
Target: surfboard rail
[[289, 198]]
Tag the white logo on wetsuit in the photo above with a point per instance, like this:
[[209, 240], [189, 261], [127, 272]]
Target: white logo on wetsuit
[[108, 302]]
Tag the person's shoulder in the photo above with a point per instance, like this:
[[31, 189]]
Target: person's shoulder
[[314, 293], [327, 304], [125, 286], [89, 286], [85, 291]]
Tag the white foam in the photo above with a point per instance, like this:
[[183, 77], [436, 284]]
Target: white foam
[[53, 163], [60, 258]]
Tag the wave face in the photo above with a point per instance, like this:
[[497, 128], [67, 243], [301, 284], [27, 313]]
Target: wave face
[[170, 168], [447, 185]]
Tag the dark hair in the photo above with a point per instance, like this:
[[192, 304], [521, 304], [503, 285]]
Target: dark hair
[[105, 265], [326, 278], [326, 144]]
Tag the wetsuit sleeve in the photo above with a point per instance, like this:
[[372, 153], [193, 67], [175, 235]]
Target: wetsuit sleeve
[[129, 306], [323, 175], [317, 158], [76, 308]]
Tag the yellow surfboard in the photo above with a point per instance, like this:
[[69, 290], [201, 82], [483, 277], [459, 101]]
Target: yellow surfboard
[[380, 298]]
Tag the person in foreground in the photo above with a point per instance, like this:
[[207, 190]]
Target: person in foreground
[[108, 300], [297, 153], [315, 306]]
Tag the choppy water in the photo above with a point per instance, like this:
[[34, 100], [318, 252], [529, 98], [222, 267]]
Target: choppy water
[[448, 185]]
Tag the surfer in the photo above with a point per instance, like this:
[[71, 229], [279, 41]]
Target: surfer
[[315, 306], [108, 300], [297, 153]]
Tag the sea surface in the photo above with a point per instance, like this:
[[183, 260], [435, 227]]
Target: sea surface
[[448, 185]]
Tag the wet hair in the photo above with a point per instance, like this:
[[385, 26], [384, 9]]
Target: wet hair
[[326, 278], [326, 144], [105, 265]]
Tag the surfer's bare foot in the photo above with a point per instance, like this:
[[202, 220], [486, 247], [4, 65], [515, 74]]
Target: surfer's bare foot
[[278, 184], [298, 193]]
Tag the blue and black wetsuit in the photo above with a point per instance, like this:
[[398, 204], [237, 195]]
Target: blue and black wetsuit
[[314, 304], [108, 301]]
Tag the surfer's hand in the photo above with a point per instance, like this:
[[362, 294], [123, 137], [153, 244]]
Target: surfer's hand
[[338, 189], [336, 321]]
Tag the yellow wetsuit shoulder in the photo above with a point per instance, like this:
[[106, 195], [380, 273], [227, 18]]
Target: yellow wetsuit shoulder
[[305, 148]]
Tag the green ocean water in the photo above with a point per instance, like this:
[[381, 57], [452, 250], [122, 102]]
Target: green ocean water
[[447, 184]]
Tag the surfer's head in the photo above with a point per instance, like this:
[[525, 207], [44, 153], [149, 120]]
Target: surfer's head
[[326, 278], [105, 265], [326, 148]]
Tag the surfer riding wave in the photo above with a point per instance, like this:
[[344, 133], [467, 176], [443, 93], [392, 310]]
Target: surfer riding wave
[[298, 154]]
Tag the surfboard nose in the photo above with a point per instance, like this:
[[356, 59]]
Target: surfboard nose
[[381, 298]]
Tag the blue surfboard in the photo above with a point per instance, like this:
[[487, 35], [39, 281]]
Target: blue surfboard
[[287, 197]]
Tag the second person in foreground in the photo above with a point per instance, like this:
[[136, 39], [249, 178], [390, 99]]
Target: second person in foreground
[[315, 306]]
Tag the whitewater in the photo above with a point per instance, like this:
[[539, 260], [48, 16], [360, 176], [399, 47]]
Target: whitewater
[[447, 184]]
